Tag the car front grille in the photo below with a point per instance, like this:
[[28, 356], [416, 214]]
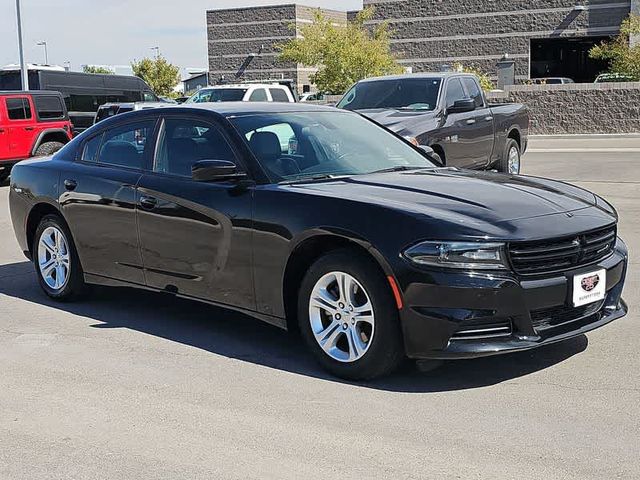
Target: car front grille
[[555, 316], [486, 329], [553, 255]]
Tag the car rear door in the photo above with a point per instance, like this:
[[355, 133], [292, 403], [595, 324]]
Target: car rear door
[[20, 125], [99, 198], [4, 133], [196, 236]]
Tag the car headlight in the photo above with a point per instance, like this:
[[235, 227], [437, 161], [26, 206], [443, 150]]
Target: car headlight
[[467, 255]]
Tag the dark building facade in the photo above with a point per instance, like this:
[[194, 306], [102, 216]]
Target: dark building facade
[[243, 42], [544, 37]]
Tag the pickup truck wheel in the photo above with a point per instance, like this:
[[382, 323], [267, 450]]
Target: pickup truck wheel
[[510, 162], [48, 148], [437, 158], [348, 317]]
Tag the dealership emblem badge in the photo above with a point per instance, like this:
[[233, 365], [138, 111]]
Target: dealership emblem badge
[[589, 283]]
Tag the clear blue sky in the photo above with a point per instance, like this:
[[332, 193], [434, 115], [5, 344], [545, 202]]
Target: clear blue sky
[[115, 32]]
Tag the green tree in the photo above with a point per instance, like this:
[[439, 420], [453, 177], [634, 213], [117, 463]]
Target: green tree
[[159, 74], [95, 69], [343, 54], [485, 81], [623, 58]]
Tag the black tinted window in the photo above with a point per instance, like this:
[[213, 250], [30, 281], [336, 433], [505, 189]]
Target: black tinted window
[[474, 91], [90, 150], [411, 93], [454, 91], [18, 108], [259, 95], [184, 142], [49, 107], [218, 95], [125, 146], [278, 95]]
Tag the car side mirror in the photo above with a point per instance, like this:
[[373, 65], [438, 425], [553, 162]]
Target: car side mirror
[[462, 106], [215, 171]]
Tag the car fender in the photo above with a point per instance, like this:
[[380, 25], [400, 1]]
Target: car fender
[[56, 131]]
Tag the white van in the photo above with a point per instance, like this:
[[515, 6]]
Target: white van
[[249, 92]]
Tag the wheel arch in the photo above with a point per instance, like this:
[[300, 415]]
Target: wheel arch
[[514, 134], [51, 135], [309, 249], [36, 214], [439, 149]]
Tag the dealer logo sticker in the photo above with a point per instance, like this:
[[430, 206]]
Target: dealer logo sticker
[[589, 283]]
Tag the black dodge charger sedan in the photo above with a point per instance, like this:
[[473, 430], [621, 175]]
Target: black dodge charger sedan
[[319, 219]]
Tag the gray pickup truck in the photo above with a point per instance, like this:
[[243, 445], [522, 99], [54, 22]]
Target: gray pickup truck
[[449, 113]]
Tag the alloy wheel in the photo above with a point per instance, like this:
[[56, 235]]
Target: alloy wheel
[[54, 259], [341, 316], [514, 160]]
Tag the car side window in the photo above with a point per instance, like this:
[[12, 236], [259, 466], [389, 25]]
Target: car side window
[[184, 142], [90, 150], [455, 92], [474, 91], [125, 146], [278, 95], [259, 95], [49, 107], [18, 108]]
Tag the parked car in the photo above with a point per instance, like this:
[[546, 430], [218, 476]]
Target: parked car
[[249, 92], [357, 238], [312, 97], [615, 77], [449, 113], [551, 81], [32, 124], [110, 109], [83, 93]]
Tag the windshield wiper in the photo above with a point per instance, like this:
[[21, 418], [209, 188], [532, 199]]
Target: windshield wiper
[[398, 168], [312, 178]]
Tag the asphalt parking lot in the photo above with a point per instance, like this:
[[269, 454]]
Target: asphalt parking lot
[[137, 385]]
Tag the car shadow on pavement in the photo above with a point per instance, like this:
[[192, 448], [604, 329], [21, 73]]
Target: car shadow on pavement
[[241, 337]]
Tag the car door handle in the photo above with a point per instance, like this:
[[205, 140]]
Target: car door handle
[[29, 128], [471, 121], [148, 203], [70, 184], [488, 119]]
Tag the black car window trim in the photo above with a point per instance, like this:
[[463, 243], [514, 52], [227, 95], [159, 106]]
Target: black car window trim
[[147, 154], [237, 157]]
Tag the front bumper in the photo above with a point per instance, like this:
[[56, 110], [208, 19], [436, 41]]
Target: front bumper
[[456, 315]]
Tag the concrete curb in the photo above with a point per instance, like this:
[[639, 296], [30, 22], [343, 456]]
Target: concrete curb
[[579, 136]]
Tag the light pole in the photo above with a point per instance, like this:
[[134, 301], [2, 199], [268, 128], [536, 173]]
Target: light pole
[[46, 53], [157, 50], [23, 65]]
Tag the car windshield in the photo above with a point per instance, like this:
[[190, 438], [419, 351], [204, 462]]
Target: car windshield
[[317, 145], [218, 95], [404, 93]]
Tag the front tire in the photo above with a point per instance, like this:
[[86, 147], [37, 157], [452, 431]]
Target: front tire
[[48, 148], [511, 159], [348, 317], [56, 260]]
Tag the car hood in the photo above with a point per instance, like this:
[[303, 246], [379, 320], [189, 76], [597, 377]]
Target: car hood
[[403, 122], [460, 196]]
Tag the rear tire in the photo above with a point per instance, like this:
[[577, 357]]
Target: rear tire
[[56, 260], [354, 330], [48, 148], [511, 159]]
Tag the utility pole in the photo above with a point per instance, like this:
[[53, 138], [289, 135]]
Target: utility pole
[[23, 65], [46, 53], [157, 50]]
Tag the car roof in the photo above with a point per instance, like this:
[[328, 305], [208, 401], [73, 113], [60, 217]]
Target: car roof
[[30, 92], [244, 85], [230, 109], [403, 76]]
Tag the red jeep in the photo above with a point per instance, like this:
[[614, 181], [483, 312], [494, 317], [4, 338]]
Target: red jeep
[[32, 124]]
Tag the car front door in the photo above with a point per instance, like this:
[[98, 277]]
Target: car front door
[[459, 131], [99, 199], [480, 125], [20, 125], [196, 236]]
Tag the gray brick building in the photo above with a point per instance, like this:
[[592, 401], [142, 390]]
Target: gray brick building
[[543, 37], [242, 42]]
